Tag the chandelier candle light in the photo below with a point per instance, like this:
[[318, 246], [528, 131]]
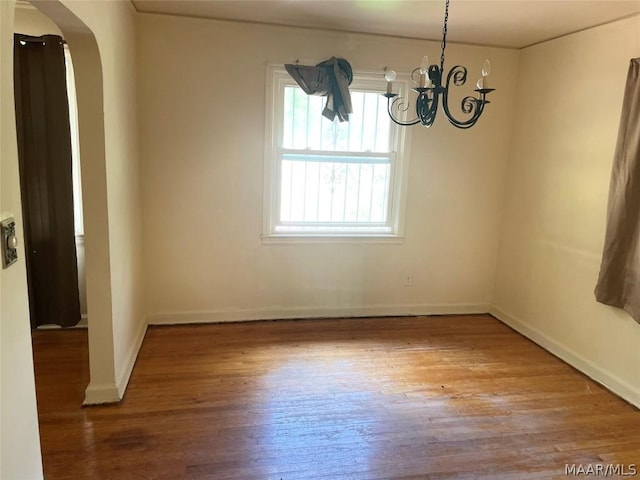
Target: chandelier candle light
[[431, 91]]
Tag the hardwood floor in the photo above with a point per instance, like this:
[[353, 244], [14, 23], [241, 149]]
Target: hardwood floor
[[389, 398]]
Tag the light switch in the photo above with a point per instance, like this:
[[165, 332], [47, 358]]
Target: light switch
[[9, 242]]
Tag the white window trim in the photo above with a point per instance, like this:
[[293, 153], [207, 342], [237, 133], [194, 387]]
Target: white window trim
[[277, 78]]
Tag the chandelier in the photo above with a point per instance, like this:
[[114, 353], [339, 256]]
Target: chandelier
[[431, 91]]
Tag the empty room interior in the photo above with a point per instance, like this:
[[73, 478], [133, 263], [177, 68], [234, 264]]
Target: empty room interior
[[286, 239]]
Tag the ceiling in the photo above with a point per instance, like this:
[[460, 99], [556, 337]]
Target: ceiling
[[504, 23]]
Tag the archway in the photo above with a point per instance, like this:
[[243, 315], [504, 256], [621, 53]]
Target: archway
[[90, 98]]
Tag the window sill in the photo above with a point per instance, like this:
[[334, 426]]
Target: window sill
[[301, 238]]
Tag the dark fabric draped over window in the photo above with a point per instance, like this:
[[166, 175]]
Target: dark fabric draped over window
[[330, 79], [44, 151], [619, 281]]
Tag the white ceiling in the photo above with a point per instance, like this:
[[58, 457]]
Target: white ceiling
[[505, 23]]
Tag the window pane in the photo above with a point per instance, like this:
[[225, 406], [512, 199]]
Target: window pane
[[287, 133], [324, 191], [383, 126], [379, 193], [355, 135], [304, 127], [300, 104], [315, 123], [285, 191], [370, 121]]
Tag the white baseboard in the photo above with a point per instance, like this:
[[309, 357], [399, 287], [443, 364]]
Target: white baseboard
[[287, 313], [605, 378], [100, 394], [113, 393], [123, 381], [276, 313], [84, 321]]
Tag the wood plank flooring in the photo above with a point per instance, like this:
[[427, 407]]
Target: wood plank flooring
[[455, 397]]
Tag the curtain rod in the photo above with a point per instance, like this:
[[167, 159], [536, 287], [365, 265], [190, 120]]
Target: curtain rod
[[30, 39]]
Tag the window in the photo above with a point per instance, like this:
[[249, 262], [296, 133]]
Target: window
[[75, 145], [329, 178]]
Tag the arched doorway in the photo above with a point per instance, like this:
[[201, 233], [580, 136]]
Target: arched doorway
[[90, 105]]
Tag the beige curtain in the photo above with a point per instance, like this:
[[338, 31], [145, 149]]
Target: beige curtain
[[619, 280]]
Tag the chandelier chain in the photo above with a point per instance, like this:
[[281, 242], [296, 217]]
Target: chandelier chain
[[444, 35]]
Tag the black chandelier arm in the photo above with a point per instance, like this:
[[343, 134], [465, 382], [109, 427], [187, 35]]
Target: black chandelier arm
[[459, 76], [470, 105], [399, 103], [427, 106]]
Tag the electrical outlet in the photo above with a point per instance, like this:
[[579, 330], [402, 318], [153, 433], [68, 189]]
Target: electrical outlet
[[408, 280]]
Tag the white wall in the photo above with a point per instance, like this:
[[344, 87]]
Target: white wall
[[568, 108], [30, 21], [201, 97], [19, 440]]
